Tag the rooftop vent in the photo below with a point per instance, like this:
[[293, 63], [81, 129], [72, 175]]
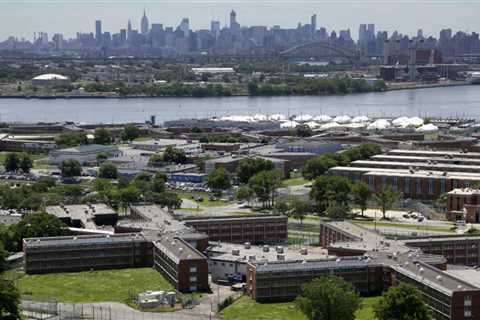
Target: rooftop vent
[[266, 248], [304, 251], [279, 249], [235, 252], [247, 245], [280, 257]]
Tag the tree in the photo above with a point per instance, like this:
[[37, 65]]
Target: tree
[[12, 162], [219, 180], [249, 167], [303, 131], [25, 162], [282, 207], [130, 132], [337, 211], [265, 184], [102, 157], [102, 136], [169, 200], [328, 298], [71, 139], [70, 168], [155, 160], [158, 182], [299, 209], [244, 193], [128, 196], [328, 191], [317, 166], [38, 225], [108, 171], [175, 155], [361, 193], [402, 302], [9, 300], [385, 198], [3, 257]]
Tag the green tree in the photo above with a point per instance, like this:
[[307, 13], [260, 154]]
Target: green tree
[[386, 197], [265, 184], [328, 298], [328, 191], [249, 167], [244, 193], [102, 157], [402, 302], [175, 155], [317, 166], [70, 168], [361, 194], [9, 300], [219, 180], [3, 257], [108, 171], [128, 196], [155, 160], [25, 162], [303, 131], [71, 139], [37, 225], [299, 209], [130, 132], [12, 162], [282, 207], [169, 200], [337, 211], [102, 136], [158, 182]]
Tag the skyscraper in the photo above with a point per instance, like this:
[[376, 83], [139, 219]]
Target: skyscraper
[[129, 29], [313, 23], [371, 30], [144, 26], [98, 30], [185, 26], [362, 33], [215, 27], [234, 25]]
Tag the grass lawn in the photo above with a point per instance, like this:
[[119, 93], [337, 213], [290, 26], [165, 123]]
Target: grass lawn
[[365, 312], [92, 286], [246, 309], [405, 226], [206, 201], [294, 182]]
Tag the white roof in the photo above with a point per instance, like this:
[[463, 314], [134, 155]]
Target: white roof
[[304, 117], [50, 76], [407, 122], [277, 117], [312, 124], [379, 124], [342, 119], [289, 124], [260, 117], [427, 128], [360, 119], [323, 118], [330, 125]]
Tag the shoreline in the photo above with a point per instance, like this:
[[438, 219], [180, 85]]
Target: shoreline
[[113, 96]]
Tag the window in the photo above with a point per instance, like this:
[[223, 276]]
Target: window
[[442, 186], [370, 181], [407, 185], [419, 186], [430, 186], [467, 301], [193, 269], [193, 279], [193, 288], [395, 184]]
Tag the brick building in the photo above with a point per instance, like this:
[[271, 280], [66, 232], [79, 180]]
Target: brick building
[[236, 229], [464, 204]]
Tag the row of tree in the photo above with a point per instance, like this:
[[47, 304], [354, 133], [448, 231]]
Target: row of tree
[[100, 136], [332, 298], [318, 166]]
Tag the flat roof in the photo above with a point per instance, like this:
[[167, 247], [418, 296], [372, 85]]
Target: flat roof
[[433, 166], [235, 218], [436, 153], [426, 159], [83, 212], [83, 240], [177, 249]]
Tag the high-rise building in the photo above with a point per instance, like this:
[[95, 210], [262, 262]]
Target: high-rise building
[[362, 33], [313, 23], [145, 25], [234, 25], [98, 30], [129, 29], [371, 30], [420, 33], [185, 26], [58, 41], [215, 28]]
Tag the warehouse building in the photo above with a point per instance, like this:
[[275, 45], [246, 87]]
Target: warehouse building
[[181, 264], [83, 154], [82, 253]]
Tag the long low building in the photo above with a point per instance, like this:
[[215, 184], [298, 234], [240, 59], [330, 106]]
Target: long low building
[[83, 154], [82, 253], [237, 229]]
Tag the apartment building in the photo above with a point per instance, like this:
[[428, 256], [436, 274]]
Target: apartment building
[[464, 204]]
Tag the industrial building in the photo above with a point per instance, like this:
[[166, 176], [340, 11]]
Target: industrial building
[[83, 154], [231, 163], [51, 80], [88, 216], [464, 204]]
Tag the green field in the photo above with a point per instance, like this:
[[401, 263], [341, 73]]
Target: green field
[[294, 182], [246, 309], [206, 201], [92, 286]]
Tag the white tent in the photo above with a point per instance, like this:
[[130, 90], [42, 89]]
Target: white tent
[[277, 117], [360, 119], [330, 125], [312, 124], [342, 119], [379, 124], [322, 118], [400, 122], [416, 121], [304, 117], [289, 125], [427, 128], [260, 117]]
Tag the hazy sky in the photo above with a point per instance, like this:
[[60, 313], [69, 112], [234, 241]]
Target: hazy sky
[[22, 17]]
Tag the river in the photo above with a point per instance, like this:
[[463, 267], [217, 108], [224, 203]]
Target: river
[[463, 101]]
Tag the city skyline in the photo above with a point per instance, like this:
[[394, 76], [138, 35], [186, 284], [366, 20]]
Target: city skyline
[[69, 18]]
